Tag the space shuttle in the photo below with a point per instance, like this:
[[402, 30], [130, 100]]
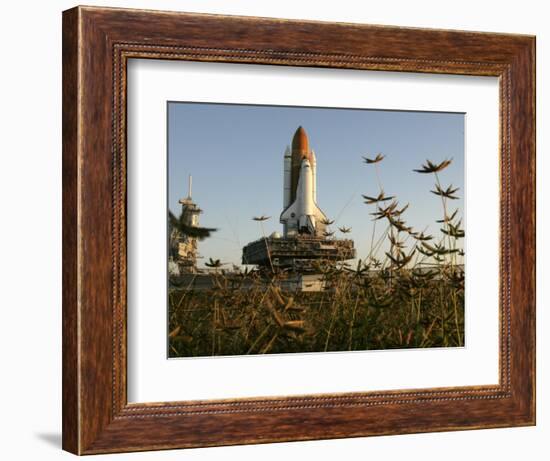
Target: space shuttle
[[301, 215]]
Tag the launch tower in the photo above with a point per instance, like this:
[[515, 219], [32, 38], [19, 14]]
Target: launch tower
[[185, 246]]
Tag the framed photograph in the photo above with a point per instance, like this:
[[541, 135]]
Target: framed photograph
[[281, 230]]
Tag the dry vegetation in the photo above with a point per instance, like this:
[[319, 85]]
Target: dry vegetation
[[412, 296]]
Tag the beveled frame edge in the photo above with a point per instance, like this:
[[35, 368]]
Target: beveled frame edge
[[97, 42]]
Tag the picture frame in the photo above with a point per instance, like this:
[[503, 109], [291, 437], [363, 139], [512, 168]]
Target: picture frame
[[97, 44]]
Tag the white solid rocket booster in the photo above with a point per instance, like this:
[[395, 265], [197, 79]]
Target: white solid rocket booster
[[314, 173], [286, 170]]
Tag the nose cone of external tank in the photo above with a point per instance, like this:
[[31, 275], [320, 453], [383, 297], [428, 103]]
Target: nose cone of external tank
[[300, 141]]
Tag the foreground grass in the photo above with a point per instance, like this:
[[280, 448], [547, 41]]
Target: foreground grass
[[360, 310]]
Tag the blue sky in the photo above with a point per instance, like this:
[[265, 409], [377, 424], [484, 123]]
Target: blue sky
[[235, 155]]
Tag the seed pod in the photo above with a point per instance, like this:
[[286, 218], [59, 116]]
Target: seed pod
[[296, 325]]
